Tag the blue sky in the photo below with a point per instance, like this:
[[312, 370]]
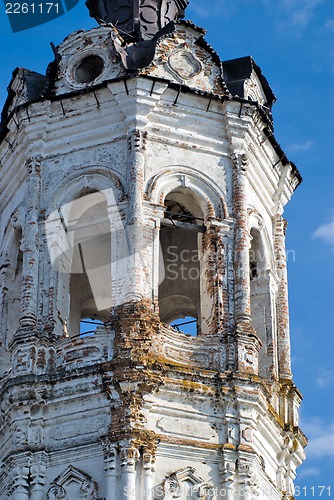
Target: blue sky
[[292, 41]]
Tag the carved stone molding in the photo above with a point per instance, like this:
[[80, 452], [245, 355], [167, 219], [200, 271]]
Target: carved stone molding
[[33, 165], [240, 162], [184, 484], [129, 455], [73, 482], [183, 65]]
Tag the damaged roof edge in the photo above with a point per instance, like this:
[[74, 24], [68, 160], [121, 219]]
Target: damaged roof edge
[[180, 88], [36, 86], [236, 71], [10, 95]]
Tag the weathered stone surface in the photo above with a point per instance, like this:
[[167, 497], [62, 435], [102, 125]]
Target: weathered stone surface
[[94, 178]]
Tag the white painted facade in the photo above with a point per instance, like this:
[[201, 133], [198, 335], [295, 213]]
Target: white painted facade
[[140, 410]]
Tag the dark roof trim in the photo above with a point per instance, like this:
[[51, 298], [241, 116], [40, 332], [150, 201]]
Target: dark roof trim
[[281, 155], [201, 40], [179, 88], [10, 96], [236, 71], [192, 25]]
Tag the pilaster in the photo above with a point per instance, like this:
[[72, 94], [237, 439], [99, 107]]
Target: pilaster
[[18, 479], [148, 469], [110, 458], [129, 455], [28, 318], [228, 471], [283, 338]]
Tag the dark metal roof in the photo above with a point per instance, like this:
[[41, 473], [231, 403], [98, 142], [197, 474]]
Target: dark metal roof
[[35, 84], [137, 20], [236, 71], [190, 24], [178, 88]]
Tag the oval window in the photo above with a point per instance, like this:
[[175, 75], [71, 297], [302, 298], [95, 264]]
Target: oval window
[[89, 69]]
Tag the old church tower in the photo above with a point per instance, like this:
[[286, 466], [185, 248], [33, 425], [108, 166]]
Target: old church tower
[[142, 192]]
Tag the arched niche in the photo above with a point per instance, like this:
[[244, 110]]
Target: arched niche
[[263, 289], [209, 196], [11, 276], [203, 203], [78, 233], [88, 179], [90, 277], [182, 290]]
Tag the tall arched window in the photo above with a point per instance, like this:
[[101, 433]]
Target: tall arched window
[[12, 257], [90, 278], [181, 234], [262, 302]]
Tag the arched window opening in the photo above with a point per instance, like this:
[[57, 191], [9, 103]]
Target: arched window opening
[[186, 324], [179, 213], [90, 279], [257, 258], [89, 326], [262, 302], [14, 284], [253, 270], [180, 297]]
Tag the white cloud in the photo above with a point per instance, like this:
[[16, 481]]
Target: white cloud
[[326, 232], [216, 8], [299, 147], [290, 13], [307, 472], [321, 439], [329, 25], [295, 13], [321, 446], [326, 378]]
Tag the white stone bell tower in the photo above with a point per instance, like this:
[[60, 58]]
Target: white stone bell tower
[[142, 193]]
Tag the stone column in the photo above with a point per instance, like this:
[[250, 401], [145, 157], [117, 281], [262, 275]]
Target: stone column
[[147, 475], [245, 481], [282, 469], [111, 471], [241, 239], [228, 480], [20, 485], [283, 334], [129, 457], [37, 473], [135, 221], [247, 342], [28, 316]]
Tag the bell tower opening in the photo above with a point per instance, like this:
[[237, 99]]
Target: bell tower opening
[[262, 302], [91, 264], [180, 243], [14, 283]]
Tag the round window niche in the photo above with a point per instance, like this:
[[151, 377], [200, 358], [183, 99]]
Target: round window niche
[[89, 69]]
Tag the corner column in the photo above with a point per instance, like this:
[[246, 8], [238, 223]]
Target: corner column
[[28, 316], [247, 342], [37, 473], [229, 481], [19, 485], [241, 239], [283, 334], [111, 471], [129, 458], [147, 474]]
